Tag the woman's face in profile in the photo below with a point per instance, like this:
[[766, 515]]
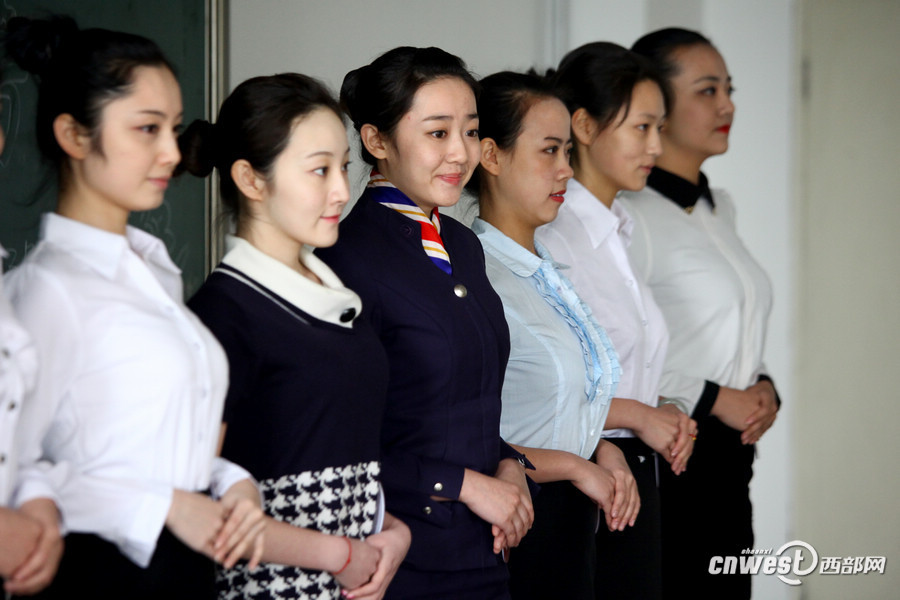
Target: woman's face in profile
[[623, 154], [702, 110], [138, 149], [534, 172]]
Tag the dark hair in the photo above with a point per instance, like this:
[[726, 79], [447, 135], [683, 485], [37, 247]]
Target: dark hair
[[78, 71], [658, 47], [254, 124], [600, 77], [382, 92], [505, 99]]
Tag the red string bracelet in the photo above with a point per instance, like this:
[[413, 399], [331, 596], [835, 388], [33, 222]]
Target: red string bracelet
[[349, 556]]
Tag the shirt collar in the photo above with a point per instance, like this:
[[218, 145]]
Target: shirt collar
[[102, 250], [679, 190], [516, 258], [598, 221], [326, 302]]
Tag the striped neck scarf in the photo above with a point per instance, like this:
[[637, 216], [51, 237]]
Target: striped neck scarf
[[384, 192]]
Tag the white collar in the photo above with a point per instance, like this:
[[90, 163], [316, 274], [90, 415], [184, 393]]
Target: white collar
[[326, 302], [598, 221], [103, 250]]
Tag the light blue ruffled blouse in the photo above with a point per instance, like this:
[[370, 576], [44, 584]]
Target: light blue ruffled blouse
[[563, 369]]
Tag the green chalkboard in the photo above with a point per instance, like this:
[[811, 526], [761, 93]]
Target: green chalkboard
[[28, 185]]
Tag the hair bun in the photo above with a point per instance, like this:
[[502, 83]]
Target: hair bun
[[349, 95], [198, 148], [34, 43]]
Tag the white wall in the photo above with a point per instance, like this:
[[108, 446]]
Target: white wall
[[328, 39], [846, 435], [757, 39]]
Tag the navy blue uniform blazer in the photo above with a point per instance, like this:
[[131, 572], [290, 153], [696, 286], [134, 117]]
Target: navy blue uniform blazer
[[447, 344]]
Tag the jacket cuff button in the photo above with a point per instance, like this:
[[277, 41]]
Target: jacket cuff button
[[427, 510], [439, 487]]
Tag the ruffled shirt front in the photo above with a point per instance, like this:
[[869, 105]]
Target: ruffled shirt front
[[562, 369]]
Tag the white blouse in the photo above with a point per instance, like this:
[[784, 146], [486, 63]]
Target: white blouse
[[591, 239], [18, 369], [715, 297], [128, 402]]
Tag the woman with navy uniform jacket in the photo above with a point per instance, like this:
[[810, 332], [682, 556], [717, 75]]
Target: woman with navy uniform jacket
[[421, 276], [308, 377]]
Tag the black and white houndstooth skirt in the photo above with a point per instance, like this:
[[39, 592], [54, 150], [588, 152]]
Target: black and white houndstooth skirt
[[337, 500]]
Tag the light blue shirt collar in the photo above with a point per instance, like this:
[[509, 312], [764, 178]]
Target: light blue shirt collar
[[513, 256]]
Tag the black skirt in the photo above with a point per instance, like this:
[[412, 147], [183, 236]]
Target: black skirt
[[92, 567]]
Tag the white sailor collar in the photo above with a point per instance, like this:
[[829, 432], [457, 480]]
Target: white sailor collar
[[330, 302]]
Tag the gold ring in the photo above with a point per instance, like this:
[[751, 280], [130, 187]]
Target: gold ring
[[694, 438]]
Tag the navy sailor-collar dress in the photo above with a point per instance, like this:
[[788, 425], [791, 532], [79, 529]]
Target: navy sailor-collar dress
[[304, 408]]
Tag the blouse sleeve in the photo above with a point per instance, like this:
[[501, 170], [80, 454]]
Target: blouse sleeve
[[55, 330], [129, 513]]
